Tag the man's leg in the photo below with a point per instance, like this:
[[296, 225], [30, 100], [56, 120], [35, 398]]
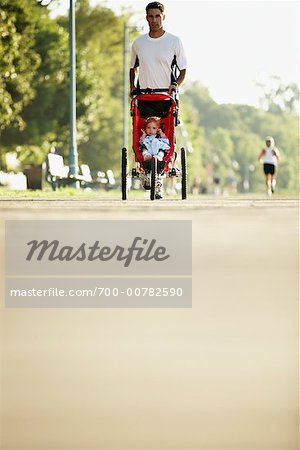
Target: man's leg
[[159, 188], [269, 184], [146, 176]]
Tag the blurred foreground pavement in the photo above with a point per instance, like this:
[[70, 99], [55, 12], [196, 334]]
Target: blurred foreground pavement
[[223, 374]]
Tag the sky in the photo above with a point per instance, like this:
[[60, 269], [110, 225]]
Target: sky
[[231, 45]]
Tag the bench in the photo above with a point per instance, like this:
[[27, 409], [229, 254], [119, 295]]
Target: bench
[[57, 173]]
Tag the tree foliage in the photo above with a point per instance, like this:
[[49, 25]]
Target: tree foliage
[[235, 134], [280, 97], [45, 113], [100, 45], [34, 101], [19, 59]]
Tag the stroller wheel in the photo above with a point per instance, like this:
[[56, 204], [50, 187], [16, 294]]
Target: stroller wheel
[[124, 174], [183, 174], [153, 177]]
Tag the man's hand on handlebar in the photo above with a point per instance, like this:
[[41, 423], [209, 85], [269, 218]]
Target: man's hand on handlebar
[[133, 92], [173, 88]]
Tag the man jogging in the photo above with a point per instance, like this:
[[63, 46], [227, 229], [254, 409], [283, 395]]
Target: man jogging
[[157, 55], [158, 62]]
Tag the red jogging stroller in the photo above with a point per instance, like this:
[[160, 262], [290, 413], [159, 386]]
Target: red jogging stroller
[[166, 107]]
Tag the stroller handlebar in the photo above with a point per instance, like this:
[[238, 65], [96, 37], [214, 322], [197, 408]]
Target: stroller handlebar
[[151, 91], [172, 95]]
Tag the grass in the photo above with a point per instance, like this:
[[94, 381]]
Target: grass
[[62, 193], [69, 193], [66, 193]]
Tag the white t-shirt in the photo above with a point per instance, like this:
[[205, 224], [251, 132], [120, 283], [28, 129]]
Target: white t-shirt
[[155, 56], [269, 157]]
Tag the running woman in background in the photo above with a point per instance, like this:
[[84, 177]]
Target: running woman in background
[[269, 157]]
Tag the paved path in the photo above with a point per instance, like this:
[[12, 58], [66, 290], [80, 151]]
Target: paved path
[[220, 375], [8, 205]]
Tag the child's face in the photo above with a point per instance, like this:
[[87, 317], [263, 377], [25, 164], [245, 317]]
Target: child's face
[[152, 128]]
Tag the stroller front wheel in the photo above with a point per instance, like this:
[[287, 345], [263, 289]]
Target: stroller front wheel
[[153, 177], [183, 174], [124, 174]]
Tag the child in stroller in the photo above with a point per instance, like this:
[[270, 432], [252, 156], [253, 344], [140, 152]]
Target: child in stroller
[[153, 140], [152, 165]]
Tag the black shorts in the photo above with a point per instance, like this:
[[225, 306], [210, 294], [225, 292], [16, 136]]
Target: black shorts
[[269, 169], [160, 166], [150, 108]]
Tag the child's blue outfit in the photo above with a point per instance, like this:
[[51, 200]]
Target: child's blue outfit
[[155, 146]]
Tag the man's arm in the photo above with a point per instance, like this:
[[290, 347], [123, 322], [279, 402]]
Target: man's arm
[[181, 77], [181, 63], [178, 82], [132, 78]]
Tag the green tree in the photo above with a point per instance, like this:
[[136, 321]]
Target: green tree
[[233, 136], [100, 47], [193, 138], [280, 97], [19, 60], [46, 116]]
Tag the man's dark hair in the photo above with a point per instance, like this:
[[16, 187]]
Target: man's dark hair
[[155, 5]]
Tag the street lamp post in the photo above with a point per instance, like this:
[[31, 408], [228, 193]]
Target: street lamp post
[[73, 154], [125, 85], [126, 50]]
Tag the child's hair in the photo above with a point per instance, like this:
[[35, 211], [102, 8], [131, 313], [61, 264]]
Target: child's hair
[[152, 119]]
